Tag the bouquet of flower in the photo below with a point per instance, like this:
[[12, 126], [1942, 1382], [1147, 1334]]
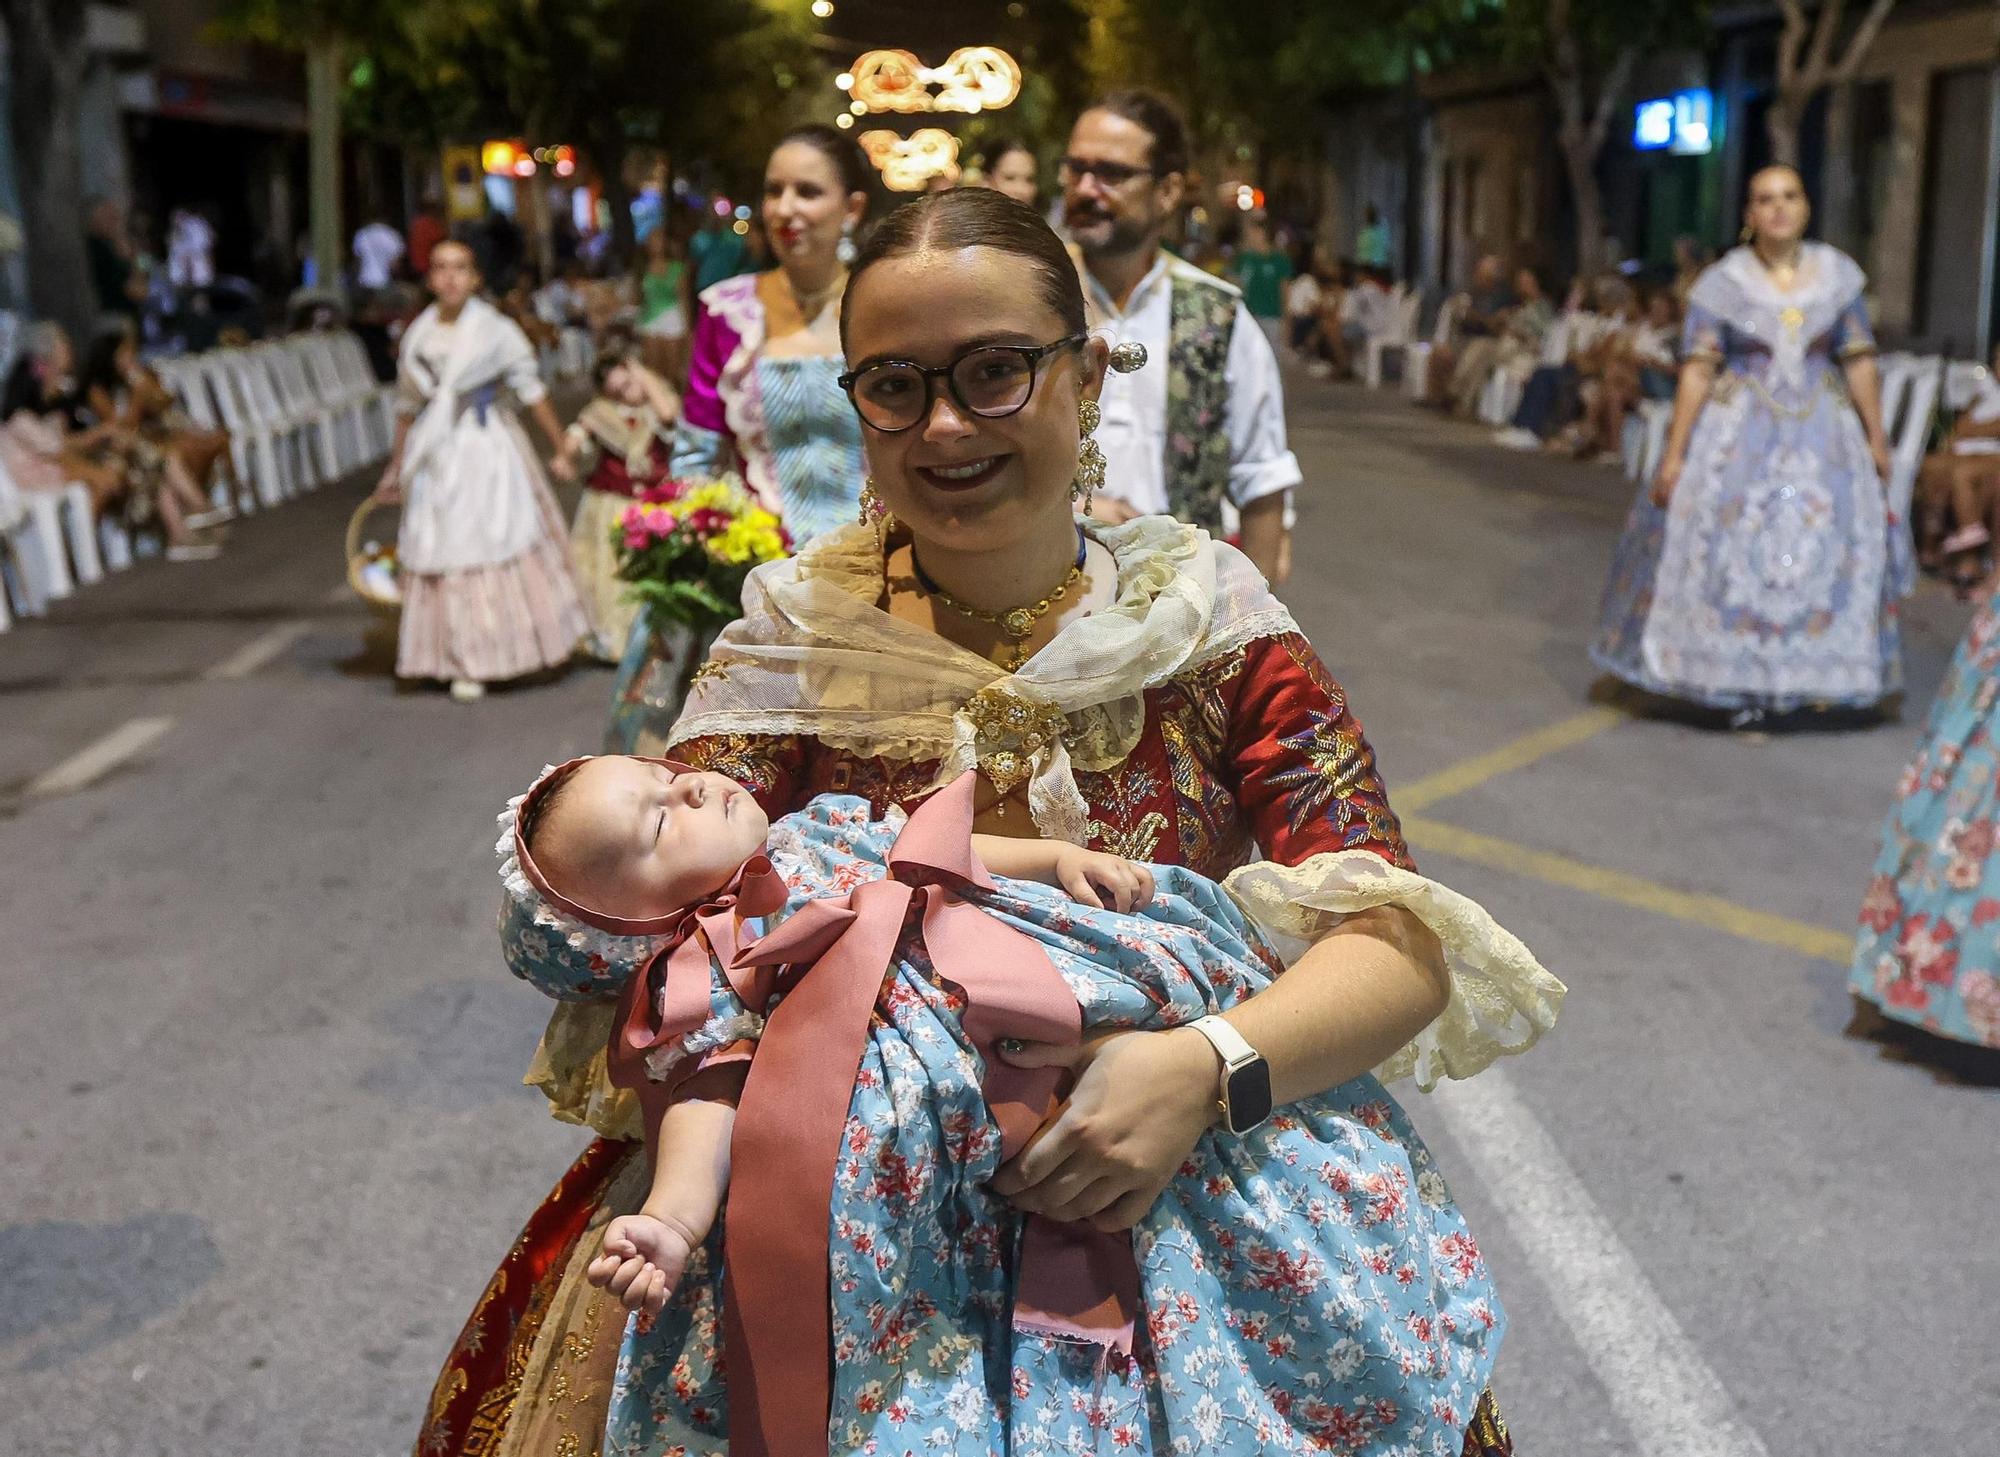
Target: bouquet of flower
[[686, 546]]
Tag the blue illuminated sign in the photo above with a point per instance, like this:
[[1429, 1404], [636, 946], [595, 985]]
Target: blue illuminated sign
[[1683, 123]]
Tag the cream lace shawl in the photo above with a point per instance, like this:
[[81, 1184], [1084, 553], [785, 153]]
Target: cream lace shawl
[[813, 655]]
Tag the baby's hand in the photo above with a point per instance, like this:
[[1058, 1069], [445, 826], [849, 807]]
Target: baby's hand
[[1124, 886], [643, 1260]]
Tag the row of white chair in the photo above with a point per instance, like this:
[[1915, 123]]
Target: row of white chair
[[300, 411]]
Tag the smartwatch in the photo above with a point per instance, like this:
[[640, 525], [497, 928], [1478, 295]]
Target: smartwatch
[[1245, 1084]]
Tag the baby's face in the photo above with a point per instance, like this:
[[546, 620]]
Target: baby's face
[[634, 839]]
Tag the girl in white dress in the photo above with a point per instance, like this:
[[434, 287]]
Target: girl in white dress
[[487, 590]]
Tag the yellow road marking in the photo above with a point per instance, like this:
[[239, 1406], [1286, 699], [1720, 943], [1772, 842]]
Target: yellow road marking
[[1425, 792], [1629, 890]]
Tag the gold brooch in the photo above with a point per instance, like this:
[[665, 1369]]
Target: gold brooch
[[1008, 731]]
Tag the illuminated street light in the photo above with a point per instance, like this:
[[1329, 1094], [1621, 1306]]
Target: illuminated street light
[[845, 80], [823, 8]]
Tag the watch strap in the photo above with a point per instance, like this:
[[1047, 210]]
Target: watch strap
[[1229, 1044]]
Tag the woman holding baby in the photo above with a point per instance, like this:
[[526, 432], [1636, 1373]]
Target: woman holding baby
[[1134, 691]]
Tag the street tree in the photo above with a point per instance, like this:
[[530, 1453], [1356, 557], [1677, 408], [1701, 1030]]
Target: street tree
[[1807, 64], [1586, 51], [48, 62]]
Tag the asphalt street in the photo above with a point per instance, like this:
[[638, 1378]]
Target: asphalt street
[[264, 1134]]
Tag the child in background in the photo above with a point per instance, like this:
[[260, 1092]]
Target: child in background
[[623, 438]]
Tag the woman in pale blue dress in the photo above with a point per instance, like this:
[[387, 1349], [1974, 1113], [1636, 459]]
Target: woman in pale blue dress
[[1760, 570], [763, 400], [1928, 951]]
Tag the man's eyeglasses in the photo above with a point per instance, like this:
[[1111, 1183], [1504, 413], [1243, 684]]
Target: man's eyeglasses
[[991, 381], [1109, 174]]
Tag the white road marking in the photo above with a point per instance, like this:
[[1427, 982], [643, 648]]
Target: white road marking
[[260, 650], [94, 761], [1669, 1399]]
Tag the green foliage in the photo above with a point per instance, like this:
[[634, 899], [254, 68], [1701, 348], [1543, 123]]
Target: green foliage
[[687, 75]]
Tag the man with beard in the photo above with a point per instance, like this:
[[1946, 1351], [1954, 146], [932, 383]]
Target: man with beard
[[1201, 430]]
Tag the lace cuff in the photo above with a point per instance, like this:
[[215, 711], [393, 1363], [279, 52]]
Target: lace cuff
[[1502, 999], [569, 1065]]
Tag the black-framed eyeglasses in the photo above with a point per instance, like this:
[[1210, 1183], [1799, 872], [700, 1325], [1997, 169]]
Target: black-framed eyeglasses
[[1073, 170], [989, 380]]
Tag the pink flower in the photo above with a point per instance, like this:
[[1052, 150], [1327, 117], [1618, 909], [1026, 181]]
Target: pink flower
[[1980, 991], [1881, 905], [1928, 949]]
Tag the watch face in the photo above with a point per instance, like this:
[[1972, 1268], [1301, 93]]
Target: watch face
[[1249, 1091]]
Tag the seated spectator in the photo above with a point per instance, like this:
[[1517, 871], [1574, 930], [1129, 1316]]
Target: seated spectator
[[1303, 296], [50, 439], [1367, 310], [119, 387], [1549, 398], [1516, 349], [1957, 497], [1470, 352], [1637, 362]]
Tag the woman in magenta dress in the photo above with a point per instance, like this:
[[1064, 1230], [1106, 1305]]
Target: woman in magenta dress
[[762, 398]]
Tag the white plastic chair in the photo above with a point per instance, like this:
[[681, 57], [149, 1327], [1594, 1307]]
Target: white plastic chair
[[257, 446], [312, 353], [1417, 355], [1909, 432], [184, 380], [260, 396], [378, 399], [1655, 416], [1401, 334], [313, 417]]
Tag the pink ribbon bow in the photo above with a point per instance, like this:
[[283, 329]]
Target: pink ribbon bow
[[831, 958]]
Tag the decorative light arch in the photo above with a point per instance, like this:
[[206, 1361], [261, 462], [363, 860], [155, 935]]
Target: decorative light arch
[[972, 80], [908, 164]]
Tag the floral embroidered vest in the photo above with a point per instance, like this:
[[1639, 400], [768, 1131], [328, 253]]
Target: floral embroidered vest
[[1200, 322]]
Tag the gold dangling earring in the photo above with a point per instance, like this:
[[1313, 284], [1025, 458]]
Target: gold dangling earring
[[873, 512], [1747, 236], [1089, 455]]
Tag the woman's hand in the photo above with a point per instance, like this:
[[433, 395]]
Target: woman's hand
[[644, 1258], [1095, 879], [1665, 479], [562, 465], [1141, 1101], [389, 489]]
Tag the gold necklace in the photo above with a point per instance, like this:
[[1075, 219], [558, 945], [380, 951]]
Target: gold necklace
[[1016, 623], [810, 305]]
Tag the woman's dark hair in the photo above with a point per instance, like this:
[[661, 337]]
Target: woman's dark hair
[[977, 217], [23, 391], [614, 354], [848, 163], [1000, 148], [1157, 115], [100, 366], [29, 382], [475, 246]]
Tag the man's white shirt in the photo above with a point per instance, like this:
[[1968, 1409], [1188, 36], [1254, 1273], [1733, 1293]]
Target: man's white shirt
[[1134, 429]]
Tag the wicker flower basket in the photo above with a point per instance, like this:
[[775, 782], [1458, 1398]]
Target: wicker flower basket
[[371, 570]]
